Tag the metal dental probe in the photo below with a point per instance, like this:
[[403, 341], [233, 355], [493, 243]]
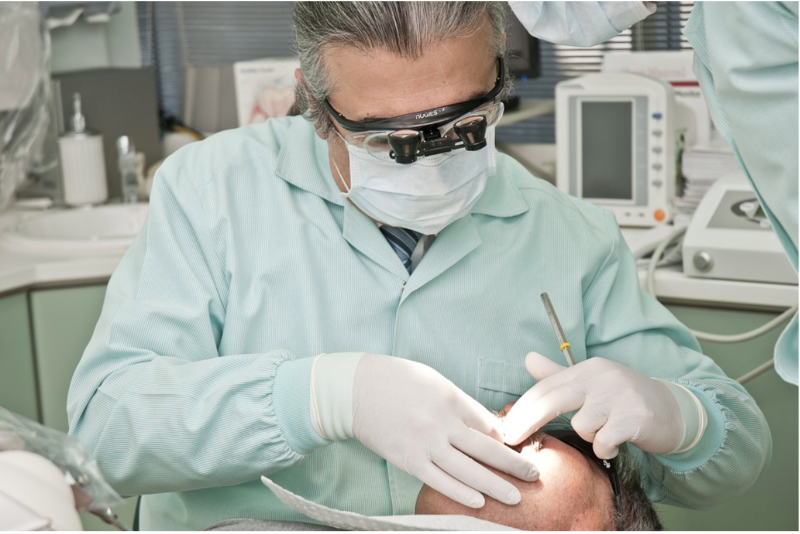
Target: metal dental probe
[[562, 339]]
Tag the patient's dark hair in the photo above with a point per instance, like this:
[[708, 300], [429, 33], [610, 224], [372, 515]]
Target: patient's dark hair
[[637, 513]]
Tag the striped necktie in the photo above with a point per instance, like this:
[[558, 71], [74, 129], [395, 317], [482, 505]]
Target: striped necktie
[[403, 242]]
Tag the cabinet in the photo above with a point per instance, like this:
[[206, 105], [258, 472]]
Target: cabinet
[[63, 322], [59, 324], [17, 375], [772, 502]]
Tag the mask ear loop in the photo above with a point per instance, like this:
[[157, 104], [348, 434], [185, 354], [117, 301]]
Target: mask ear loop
[[345, 194]]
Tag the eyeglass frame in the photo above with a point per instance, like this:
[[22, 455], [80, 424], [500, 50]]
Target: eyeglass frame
[[419, 120], [571, 438]]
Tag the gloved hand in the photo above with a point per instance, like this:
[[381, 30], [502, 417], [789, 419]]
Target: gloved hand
[[421, 422], [616, 404]]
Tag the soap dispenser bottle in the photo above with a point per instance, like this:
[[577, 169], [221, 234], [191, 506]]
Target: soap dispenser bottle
[[128, 169], [82, 161]]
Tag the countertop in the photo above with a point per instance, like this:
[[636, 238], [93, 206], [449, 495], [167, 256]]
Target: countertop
[[23, 270]]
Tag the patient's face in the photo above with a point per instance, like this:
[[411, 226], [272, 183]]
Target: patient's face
[[572, 493]]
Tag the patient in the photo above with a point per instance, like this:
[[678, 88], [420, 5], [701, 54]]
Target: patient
[[574, 492]]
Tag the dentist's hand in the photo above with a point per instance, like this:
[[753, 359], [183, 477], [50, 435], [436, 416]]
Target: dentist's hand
[[421, 422], [616, 404]]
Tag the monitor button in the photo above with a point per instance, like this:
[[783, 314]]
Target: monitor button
[[703, 261]]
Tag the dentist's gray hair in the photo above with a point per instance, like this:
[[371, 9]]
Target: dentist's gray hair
[[403, 28]]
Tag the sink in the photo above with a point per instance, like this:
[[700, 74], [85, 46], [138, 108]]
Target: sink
[[99, 229]]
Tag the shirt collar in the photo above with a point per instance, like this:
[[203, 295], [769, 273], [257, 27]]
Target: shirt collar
[[501, 198], [303, 161]]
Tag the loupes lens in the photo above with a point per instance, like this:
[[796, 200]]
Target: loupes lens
[[472, 132], [491, 112], [467, 131], [405, 144]]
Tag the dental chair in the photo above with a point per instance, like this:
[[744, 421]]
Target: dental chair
[[34, 495], [47, 478]]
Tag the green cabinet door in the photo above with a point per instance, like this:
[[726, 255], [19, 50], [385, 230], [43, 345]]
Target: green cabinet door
[[63, 322], [772, 502], [17, 378]]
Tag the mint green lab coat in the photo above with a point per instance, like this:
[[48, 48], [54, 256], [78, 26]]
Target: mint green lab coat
[[251, 263]]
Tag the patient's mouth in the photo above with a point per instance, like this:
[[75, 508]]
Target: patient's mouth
[[532, 444]]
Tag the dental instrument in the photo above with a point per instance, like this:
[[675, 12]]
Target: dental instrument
[[562, 338]]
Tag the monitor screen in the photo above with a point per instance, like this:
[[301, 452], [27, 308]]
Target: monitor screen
[[606, 150]]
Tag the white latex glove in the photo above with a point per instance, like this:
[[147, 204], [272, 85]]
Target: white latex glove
[[415, 418], [616, 404]]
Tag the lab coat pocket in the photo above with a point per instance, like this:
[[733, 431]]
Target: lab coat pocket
[[501, 382]]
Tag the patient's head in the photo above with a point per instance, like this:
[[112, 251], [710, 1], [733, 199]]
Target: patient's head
[[573, 493]]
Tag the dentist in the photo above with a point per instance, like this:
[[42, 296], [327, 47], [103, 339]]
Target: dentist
[[338, 299]]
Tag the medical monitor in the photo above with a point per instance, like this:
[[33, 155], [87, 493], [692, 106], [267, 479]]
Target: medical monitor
[[615, 145]]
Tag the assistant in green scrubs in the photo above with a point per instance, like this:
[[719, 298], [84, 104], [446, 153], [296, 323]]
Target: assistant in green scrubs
[[746, 62]]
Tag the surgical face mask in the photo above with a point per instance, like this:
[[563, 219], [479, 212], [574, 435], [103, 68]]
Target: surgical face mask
[[424, 196]]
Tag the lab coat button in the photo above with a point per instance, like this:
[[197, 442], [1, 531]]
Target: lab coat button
[[657, 150], [657, 133], [657, 166]]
